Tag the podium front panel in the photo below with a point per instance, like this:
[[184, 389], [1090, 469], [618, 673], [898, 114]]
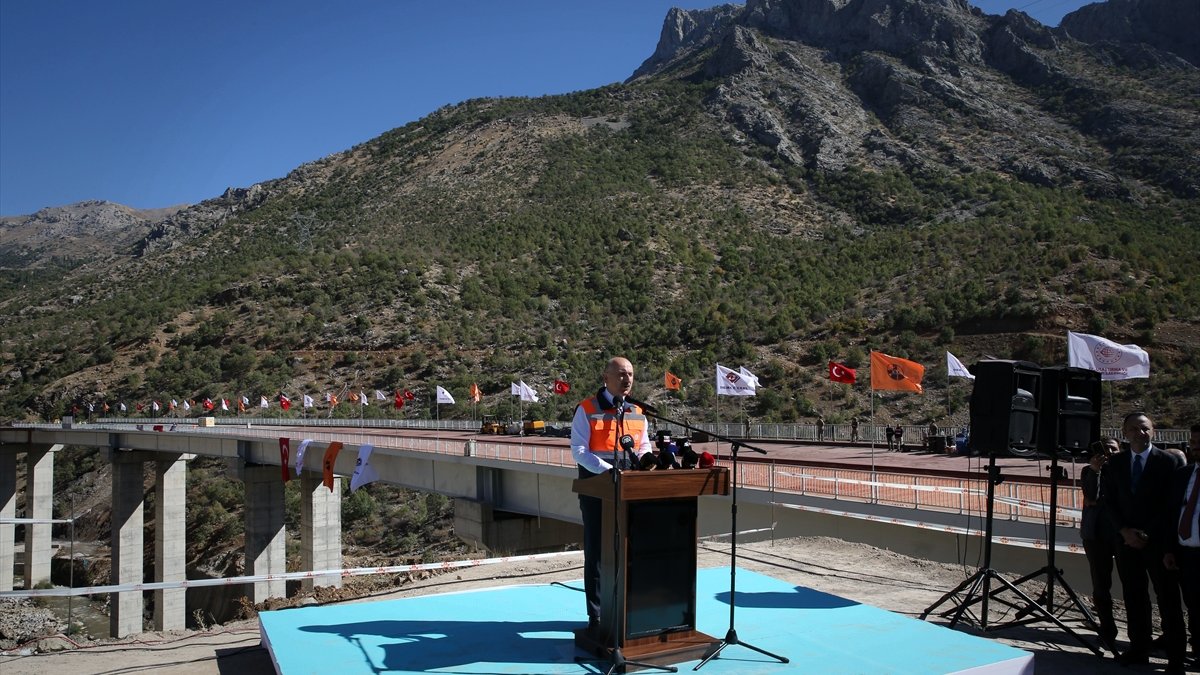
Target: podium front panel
[[661, 559]]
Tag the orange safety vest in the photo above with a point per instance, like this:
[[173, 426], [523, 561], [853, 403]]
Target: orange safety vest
[[603, 423]]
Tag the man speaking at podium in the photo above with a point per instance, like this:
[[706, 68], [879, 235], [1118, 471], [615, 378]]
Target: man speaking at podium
[[596, 439]]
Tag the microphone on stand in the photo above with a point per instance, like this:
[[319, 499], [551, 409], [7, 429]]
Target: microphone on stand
[[626, 442], [619, 405]]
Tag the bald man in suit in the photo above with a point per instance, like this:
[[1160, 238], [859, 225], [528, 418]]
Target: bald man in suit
[[1137, 501]]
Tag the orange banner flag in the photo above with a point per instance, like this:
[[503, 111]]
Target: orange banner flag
[[890, 373], [331, 454], [671, 381], [475, 394]]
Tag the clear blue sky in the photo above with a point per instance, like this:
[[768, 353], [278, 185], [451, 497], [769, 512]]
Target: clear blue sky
[[152, 103]]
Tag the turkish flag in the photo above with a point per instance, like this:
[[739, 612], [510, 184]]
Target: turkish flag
[[285, 402], [561, 387], [399, 403], [838, 372], [408, 395]]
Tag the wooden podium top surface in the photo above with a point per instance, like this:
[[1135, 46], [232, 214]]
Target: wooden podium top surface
[[651, 485]]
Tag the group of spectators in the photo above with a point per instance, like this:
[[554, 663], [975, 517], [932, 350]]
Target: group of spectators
[[1140, 512]]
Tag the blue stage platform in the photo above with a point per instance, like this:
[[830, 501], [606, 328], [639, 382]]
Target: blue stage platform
[[527, 629]]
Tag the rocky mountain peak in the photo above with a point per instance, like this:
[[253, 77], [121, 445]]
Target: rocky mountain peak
[[1168, 25]]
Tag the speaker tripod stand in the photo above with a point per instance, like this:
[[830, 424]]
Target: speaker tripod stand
[[1054, 575], [978, 589]]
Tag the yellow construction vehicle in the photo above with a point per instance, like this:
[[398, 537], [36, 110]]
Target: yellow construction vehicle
[[491, 425]]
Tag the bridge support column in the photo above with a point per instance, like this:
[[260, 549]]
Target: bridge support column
[[8, 510], [320, 529], [170, 539], [128, 527], [265, 542], [39, 503]]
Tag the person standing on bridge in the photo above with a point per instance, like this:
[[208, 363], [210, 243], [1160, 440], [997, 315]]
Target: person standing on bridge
[[599, 423]]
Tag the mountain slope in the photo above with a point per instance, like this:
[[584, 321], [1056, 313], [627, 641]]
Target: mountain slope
[[779, 184]]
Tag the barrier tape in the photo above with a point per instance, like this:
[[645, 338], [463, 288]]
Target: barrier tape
[[952, 529], [34, 521], [255, 578], [708, 537], [1075, 514]]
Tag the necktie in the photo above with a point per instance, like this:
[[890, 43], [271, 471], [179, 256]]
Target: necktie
[[1189, 511], [1136, 474]]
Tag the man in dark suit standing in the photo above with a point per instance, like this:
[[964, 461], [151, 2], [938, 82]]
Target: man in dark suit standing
[[1136, 485], [1184, 556]]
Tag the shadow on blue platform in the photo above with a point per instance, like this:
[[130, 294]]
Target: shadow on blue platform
[[798, 598], [528, 629], [435, 645]]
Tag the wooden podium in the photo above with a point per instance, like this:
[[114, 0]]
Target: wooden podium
[[648, 578]]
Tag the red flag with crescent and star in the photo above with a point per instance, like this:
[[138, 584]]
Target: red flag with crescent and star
[[561, 387], [839, 372]]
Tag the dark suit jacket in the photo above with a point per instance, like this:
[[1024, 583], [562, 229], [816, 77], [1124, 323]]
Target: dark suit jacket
[[1179, 483], [1149, 509]]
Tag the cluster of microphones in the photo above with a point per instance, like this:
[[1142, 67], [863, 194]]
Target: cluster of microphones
[[671, 455]]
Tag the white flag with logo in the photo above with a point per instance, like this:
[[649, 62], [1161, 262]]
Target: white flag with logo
[[955, 368], [362, 397], [186, 405], [363, 471], [444, 396], [750, 377], [732, 383], [263, 402], [300, 454], [379, 395], [1111, 360], [527, 393]]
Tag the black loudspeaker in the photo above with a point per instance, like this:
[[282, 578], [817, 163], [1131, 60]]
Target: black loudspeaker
[[1070, 409], [1004, 407]]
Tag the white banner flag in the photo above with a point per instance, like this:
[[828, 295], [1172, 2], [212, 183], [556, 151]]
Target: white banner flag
[[955, 368], [527, 393], [444, 396], [263, 402], [362, 397], [750, 377], [308, 401], [732, 383], [514, 389], [225, 404], [380, 396], [186, 405], [155, 406], [363, 471], [300, 454], [1111, 360]]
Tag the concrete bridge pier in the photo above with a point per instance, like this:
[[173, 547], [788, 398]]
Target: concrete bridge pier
[[39, 504], [128, 538], [8, 511], [265, 537], [320, 529], [170, 540]]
